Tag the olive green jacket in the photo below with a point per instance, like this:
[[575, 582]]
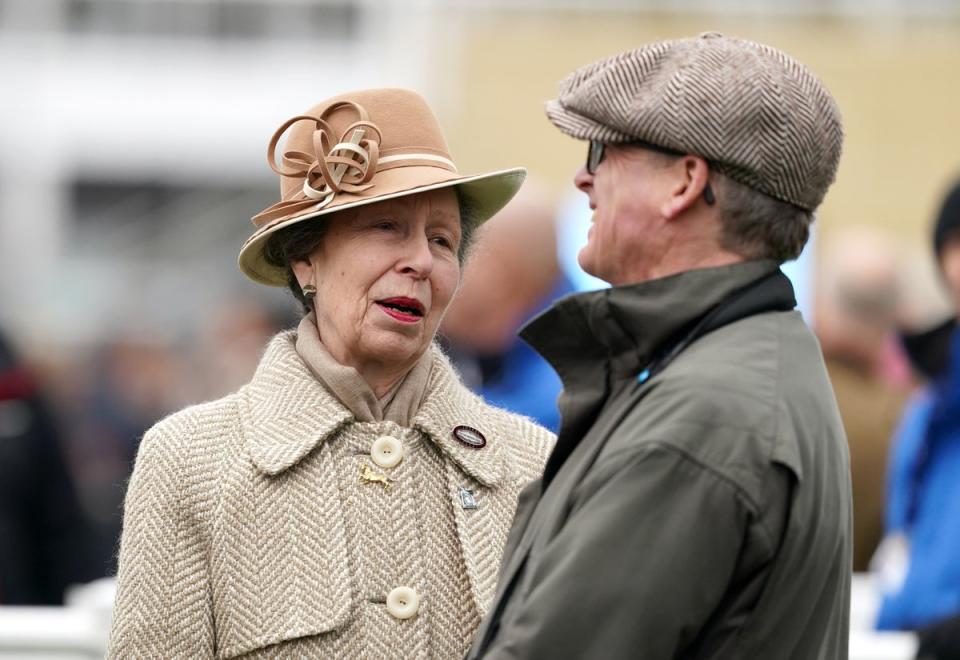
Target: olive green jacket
[[701, 513]]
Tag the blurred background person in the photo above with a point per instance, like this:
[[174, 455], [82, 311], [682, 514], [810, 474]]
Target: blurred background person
[[512, 275], [855, 321], [45, 544], [231, 341], [119, 390], [919, 560], [114, 392]]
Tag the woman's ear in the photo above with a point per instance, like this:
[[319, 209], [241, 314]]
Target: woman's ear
[[303, 271]]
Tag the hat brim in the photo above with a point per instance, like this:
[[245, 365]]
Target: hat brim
[[485, 194]]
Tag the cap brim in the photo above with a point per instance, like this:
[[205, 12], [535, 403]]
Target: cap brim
[[485, 194], [581, 127]]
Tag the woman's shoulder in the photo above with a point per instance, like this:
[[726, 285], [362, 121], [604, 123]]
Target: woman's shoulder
[[195, 426], [212, 419], [527, 443], [178, 459]]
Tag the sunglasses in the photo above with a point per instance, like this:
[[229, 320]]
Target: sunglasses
[[595, 153]]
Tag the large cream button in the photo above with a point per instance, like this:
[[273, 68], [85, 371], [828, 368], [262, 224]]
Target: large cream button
[[386, 451], [403, 602]]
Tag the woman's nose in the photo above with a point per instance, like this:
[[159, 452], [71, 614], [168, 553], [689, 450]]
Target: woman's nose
[[417, 257]]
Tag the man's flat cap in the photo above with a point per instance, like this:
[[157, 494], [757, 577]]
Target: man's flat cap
[[755, 113]]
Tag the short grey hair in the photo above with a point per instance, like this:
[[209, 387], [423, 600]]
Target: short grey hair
[[758, 226], [752, 224]]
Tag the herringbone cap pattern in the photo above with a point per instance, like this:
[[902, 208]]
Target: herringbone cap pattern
[[755, 113]]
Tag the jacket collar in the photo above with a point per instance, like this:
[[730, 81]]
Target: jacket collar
[[449, 404], [286, 413], [624, 326]]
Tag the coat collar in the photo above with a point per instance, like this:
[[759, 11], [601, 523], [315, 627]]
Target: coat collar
[[623, 326], [286, 413]]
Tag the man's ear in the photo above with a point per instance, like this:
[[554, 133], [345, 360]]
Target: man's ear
[[691, 174], [303, 271]]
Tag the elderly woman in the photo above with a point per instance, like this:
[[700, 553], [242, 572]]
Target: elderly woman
[[353, 499]]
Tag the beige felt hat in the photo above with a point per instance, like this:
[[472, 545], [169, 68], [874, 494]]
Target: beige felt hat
[[360, 148]]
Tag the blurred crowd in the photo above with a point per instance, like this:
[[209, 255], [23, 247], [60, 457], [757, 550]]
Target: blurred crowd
[[70, 424], [69, 431]]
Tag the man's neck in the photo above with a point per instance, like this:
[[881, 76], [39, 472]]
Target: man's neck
[[673, 265]]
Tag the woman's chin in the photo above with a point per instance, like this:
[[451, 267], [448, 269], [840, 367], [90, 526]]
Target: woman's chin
[[386, 346]]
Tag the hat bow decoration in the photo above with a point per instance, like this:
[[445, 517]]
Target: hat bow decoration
[[346, 166]]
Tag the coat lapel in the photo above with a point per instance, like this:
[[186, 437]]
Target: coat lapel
[[288, 412], [480, 473]]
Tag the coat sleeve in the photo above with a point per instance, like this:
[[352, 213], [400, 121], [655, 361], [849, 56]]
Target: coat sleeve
[[163, 605], [643, 559]]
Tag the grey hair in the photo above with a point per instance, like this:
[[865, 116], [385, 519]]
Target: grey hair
[[299, 240], [757, 226]]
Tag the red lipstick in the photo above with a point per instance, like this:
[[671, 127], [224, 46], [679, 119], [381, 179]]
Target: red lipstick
[[403, 309]]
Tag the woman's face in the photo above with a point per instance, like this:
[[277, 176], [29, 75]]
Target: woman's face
[[385, 274]]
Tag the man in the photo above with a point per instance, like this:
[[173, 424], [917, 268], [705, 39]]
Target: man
[[513, 273], [919, 558], [697, 504], [45, 540], [857, 309]]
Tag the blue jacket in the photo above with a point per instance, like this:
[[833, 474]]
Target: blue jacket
[[923, 504], [527, 384]]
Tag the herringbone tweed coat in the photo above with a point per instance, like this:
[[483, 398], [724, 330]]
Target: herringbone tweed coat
[[248, 531]]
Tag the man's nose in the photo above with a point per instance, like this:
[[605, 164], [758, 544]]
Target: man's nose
[[583, 180]]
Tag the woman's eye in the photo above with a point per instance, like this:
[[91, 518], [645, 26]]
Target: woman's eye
[[384, 224], [442, 241]]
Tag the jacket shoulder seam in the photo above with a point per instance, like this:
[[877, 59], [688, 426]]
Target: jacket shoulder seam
[[658, 445]]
